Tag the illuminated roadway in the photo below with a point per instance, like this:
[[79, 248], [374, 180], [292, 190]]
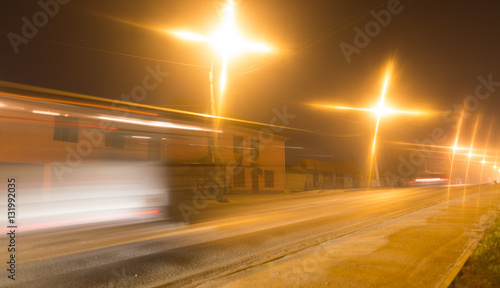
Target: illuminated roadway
[[226, 240]]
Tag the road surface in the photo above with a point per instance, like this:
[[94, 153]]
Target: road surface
[[271, 240]]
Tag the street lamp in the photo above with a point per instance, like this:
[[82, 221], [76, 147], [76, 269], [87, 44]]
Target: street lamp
[[228, 43], [381, 110]]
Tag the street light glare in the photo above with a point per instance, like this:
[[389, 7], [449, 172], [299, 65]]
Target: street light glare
[[378, 110], [382, 110], [189, 36], [227, 42]]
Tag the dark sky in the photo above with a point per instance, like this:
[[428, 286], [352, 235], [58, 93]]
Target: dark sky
[[439, 49]]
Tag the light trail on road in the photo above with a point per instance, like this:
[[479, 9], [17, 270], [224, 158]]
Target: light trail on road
[[232, 238]]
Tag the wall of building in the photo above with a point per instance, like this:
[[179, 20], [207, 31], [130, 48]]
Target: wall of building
[[319, 175], [295, 181], [254, 165], [28, 138]]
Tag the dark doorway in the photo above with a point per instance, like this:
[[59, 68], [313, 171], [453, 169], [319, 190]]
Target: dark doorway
[[256, 171]]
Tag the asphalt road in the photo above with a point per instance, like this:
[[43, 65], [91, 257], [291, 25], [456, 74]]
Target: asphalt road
[[235, 236]]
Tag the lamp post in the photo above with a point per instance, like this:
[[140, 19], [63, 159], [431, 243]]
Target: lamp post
[[381, 110], [228, 43]]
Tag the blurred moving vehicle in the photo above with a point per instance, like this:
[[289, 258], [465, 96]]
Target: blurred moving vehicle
[[94, 192], [81, 159], [430, 179]]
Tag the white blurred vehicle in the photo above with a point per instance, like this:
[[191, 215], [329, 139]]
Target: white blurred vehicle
[[430, 179], [96, 191]]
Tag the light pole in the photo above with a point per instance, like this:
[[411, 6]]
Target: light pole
[[381, 110], [228, 43]]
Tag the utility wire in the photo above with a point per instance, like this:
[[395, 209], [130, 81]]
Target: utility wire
[[121, 54]]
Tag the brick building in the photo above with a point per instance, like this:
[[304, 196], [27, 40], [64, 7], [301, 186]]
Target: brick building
[[317, 175], [49, 137]]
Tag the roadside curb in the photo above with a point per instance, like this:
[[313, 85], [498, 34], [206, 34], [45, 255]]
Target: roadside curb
[[457, 267], [459, 264]]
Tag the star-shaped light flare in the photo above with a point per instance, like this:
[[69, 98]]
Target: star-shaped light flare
[[226, 41]]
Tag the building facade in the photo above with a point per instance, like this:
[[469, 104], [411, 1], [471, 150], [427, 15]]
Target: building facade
[[318, 175], [53, 141]]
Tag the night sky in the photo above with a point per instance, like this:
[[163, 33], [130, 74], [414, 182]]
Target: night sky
[[440, 51]]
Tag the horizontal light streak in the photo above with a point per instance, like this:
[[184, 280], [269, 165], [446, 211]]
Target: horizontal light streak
[[225, 41], [157, 124], [190, 36], [81, 220], [221, 146], [379, 110], [55, 122], [17, 86], [431, 180], [446, 148], [77, 103], [46, 112], [295, 147]]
